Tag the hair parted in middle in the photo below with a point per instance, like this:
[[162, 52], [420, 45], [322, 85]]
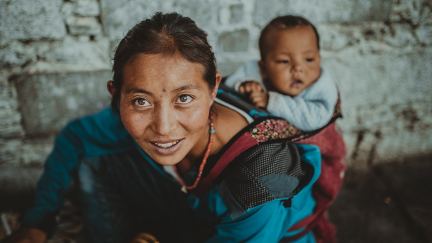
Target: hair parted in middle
[[164, 34]]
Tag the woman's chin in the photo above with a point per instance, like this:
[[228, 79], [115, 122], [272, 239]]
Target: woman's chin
[[166, 155], [167, 162], [171, 159]]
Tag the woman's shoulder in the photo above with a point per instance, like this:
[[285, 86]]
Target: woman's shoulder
[[232, 126], [231, 122], [228, 123]]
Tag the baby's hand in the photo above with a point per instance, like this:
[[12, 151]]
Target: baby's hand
[[249, 86], [255, 93]]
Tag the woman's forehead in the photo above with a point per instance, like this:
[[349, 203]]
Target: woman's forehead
[[175, 59], [162, 72]]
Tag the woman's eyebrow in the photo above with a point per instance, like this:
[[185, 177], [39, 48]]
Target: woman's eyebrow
[[186, 87], [137, 90], [141, 90]]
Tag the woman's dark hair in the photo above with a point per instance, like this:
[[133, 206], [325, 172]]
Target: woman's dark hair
[[164, 34], [281, 23]]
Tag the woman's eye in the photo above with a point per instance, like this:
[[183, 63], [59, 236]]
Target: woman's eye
[[184, 99], [141, 102]]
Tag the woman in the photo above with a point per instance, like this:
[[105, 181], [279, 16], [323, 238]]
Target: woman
[[199, 168]]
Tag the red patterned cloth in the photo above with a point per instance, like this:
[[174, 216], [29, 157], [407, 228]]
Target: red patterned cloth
[[329, 184], [325, 189]]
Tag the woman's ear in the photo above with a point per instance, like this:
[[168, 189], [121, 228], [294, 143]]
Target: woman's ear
[[216, 86], [111, 88]]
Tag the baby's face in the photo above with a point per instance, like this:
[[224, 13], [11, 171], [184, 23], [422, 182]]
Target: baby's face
[[292, 62]]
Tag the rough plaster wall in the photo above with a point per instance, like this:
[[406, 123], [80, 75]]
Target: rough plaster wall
[[55, 57]]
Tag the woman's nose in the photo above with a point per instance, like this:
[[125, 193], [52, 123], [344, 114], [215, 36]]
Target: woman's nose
[[163, 121]]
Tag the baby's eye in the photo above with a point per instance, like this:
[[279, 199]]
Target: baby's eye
[[141, 102], [310, 59], [282, 61], [184, 99]]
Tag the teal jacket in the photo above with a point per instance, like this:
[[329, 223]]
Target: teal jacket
[[102, 134]]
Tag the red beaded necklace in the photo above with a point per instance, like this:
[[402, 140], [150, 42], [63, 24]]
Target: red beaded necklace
[[212, 131]]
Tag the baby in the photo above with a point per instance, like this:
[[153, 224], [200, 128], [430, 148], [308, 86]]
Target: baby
[[288, 81]]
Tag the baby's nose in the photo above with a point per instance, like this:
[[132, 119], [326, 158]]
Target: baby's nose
[[297, 68], [297, 71]]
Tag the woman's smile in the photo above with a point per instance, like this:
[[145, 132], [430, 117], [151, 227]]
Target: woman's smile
[[167, 147]]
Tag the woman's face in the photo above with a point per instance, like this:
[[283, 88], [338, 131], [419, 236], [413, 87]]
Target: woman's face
[[165, 104]]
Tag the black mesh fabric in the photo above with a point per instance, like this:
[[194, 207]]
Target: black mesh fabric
[[128, 195], [279, 160]]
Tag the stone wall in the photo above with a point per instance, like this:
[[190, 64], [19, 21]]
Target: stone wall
[[55, 57]]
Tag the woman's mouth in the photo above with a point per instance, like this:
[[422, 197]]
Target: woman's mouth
[[166, 147]]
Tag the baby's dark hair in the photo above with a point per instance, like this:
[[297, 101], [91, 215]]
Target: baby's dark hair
[[281, 23], [164, 34]]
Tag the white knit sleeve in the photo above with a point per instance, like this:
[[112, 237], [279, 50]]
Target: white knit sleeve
[[308, 111]]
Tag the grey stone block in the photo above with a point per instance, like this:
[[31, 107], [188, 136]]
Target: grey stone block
[[424, 34], [234, 41], [10, 118], [25, 151], [87, 55], [414, 12], [118, 16], [203, 12], [402, 35], [87, 8], [10, 123], [324, 11], [369, 36], [14, 178], [83, 26], [386, 101], [236, 13], [69, 53], [16, 54], [9, 151], [35, 151], [386, 79], [49, 100], [29, 20], [336, 38], [228, 67]]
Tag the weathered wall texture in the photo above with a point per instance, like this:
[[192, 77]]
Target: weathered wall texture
[[55, 57]]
